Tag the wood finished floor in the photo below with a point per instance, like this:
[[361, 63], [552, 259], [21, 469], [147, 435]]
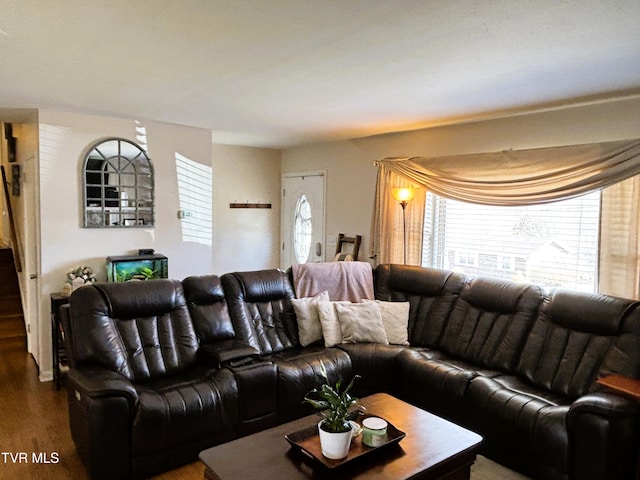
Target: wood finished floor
[[34, 420]]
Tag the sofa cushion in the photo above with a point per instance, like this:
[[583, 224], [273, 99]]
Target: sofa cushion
[[208, 308], [431, 294], [264, 285], [579, 337], [361, 322], [376, 364], [306, 310], [523, 426], [141, 330], [260, 309], [299, 372], [197, 406], [328, 316], [395, 319], [434, 381], [489, 323]]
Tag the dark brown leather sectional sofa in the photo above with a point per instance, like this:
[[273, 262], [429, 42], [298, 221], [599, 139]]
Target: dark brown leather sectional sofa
[[163, 369]]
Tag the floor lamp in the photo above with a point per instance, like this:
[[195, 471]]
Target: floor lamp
[[404, 195]]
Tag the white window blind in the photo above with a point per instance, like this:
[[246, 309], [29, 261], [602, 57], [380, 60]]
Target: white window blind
[[554, 244], [195, 194]]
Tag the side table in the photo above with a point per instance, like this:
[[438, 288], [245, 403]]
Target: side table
[[627, 386], [58, 349]]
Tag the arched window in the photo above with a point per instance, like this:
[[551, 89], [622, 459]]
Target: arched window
[[118, 185]]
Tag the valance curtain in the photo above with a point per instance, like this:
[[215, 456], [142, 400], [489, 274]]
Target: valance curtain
[[516, 177], [522, 177]]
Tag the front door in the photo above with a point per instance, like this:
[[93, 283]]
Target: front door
[[302, 218]]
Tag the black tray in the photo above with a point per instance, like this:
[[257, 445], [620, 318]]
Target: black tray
[[307, 441]]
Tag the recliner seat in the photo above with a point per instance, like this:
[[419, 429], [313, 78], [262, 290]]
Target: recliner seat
[[260, 306], [136, 390]]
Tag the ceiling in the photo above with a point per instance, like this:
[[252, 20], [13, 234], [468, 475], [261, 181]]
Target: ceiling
[[281, 73]]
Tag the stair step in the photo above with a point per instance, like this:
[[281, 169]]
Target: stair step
[[10, 305], [8, 289], [6, 255], [8, 280], [8, 267], [13, 343], [8, 276], [12, 327]]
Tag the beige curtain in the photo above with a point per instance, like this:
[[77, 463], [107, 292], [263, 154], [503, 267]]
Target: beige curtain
[[619, 269], [522, 177], [386, 242]]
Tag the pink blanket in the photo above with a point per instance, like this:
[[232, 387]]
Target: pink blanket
[[352, 281]]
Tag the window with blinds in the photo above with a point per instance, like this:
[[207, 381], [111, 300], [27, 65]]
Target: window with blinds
[[554, 244], [195, 194]]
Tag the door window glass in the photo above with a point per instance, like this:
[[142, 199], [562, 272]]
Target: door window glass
[[302, 229]]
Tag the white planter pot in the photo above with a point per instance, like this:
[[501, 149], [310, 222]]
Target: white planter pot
[[335, 445]]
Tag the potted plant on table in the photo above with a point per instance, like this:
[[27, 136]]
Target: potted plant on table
[[339, 409]]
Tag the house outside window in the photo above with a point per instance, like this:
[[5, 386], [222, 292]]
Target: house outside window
[[554, 244], [507, 262], [467, 258]]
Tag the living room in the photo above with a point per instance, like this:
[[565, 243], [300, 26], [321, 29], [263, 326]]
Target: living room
[[52, 140], [248, 239]]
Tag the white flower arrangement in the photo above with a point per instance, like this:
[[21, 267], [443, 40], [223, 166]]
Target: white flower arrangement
[[77, 274]]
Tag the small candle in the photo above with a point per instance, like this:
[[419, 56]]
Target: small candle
[[374, 431]]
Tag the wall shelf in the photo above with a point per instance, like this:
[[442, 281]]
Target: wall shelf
[[249, 205]]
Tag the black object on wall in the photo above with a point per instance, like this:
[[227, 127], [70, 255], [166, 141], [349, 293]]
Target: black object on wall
[[15, 180], [11, 142]]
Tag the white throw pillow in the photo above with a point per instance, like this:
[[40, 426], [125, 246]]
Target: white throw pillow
[[361, 322], [330, 324], [309, 328], [395, 318]]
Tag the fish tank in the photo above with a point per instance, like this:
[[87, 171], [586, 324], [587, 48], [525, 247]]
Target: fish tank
[[126, 268]]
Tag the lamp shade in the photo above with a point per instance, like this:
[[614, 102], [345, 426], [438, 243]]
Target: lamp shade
[[403, 194]]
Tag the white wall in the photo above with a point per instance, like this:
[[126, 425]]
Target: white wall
[[352, 175], [245, 239]]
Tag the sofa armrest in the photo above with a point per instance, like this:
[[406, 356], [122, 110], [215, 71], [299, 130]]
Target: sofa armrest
[[98, 382], [604, 404], [603, 427], [102, 407], [217, 353]]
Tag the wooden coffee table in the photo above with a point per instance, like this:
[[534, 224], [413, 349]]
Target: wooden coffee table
[[433, 448]]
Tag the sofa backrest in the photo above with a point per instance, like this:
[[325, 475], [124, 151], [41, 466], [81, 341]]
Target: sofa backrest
[[483, 320], [431, 294], [141, 330], [260, 309], [579, 337], [208, 308], [490, 322]]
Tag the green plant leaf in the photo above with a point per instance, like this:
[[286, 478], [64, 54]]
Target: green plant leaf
[[334, 403]]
